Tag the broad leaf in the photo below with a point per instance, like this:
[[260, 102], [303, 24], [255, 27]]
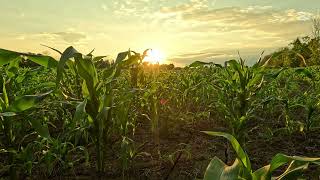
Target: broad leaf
[[26, 102], [122, 56], [294, 170], [199, 64], [262, 173], [80, 111], [220, 171], [281, 159], [70, 52], [46, 61], [236, 146], [6, 56], [41, 129], [88, 72]]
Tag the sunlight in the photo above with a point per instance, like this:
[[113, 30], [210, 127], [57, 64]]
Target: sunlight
[[155, 56]]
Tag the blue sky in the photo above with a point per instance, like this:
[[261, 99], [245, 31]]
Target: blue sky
[[184, 30]]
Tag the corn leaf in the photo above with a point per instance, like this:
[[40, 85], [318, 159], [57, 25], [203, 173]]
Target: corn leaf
[[26, 102], [80, 112], [236, 146], [88, 72], [41, 129], [46, 61], [66, 55], [281, 159], [199, 64], [8, 114], [122, 56], [220, 171], [7, 56], [294, 170]]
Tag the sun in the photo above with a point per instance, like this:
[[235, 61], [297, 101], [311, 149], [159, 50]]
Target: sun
[[155, 56]]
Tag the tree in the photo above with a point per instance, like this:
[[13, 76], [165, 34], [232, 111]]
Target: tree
[[316, 26]]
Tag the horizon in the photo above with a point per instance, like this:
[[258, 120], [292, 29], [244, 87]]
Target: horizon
[[183, 31]]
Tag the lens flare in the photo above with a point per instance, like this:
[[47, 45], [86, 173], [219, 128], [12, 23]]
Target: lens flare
[[155, 56]]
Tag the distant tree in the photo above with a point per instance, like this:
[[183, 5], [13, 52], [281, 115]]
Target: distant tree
[[316, 26], [167, 66]]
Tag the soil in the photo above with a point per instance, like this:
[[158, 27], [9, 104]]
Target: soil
[[153, 161]]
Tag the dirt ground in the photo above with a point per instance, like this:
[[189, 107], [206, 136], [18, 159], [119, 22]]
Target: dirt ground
[[196, 151]]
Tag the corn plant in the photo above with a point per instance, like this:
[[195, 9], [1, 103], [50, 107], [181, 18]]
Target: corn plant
[[96, 96], [151, 101], [236, 88], [12, 107], [7, 57], [241, 168], [295, 91]]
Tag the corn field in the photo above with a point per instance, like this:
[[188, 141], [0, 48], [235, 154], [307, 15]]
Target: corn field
[[83, 116]]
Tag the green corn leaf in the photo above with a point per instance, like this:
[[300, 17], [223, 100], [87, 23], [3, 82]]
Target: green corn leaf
[[41, 129], [4, 95], [305, 72], [7, 56], [199, 64], [70, 52], [98, 58], [294, 170], [220, 171], [2, 105], [26, 102], [275, 74], [256, 80], [80, 111], [88, 72], [122, 56], [234, 65], [56, 50], [236, 146], [13, 67], [8, 114], [262, 173], [90, 53], [281, 159], [46, 61], [130, 61]]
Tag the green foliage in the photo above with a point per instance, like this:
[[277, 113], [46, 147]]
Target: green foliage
[[301, 52], [85, 106], [237, 85], [7, 57], [241, 168]]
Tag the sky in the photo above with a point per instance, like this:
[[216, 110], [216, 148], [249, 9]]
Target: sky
[[184, 30]]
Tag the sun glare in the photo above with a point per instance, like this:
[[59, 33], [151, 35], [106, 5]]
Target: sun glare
[[155, 56]]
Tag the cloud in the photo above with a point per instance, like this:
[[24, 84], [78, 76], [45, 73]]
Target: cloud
[[125, 8], [187, 7], [230, 19], [203, 56], [225, 30], [70, 37], [59, 38], [104, 7]]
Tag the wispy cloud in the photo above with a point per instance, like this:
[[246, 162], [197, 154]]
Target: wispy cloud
[[104, 7], [235, 28]]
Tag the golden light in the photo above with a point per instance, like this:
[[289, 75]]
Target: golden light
[[155, 56]]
